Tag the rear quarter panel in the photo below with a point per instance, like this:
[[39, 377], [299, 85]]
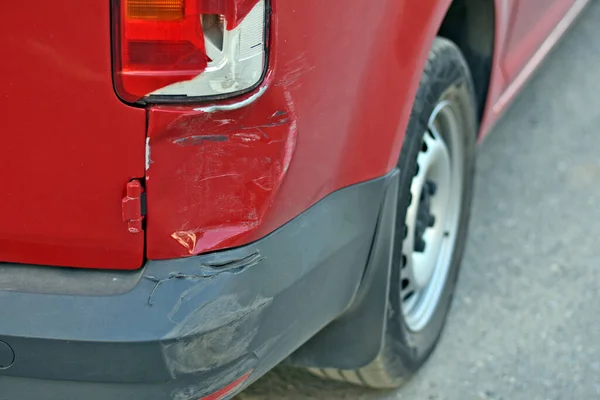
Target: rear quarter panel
[[332, 112]]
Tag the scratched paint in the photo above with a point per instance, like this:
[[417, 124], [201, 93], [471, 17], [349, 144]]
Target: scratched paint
[[227, 173], [202, 271], [229, 170], [234, 106], [213, 335]]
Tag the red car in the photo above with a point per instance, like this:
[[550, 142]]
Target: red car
[[196, 190]]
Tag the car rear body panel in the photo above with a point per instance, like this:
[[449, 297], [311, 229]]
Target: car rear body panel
[[69, 146], [330, 113]]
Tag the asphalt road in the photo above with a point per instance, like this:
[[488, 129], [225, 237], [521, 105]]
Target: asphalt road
[[525, 323]]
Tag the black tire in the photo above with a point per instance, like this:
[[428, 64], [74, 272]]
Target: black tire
[[446, 76]]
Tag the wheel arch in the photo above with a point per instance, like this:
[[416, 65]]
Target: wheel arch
[[471, 25], [362, 326]]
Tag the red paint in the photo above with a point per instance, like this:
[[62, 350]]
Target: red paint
[[348, 101], [345, 114], [69, 146], [514, 47], [226, 176], [331, 113], [528, 29]]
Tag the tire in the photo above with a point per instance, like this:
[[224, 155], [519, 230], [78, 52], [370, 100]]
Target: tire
[[446, 82]]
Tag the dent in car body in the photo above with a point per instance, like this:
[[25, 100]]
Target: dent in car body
[[220, 170], [329, 114]]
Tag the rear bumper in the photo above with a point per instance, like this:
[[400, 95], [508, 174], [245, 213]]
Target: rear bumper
[[182, 329]]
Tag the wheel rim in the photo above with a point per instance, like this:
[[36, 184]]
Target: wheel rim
[[432, 218]]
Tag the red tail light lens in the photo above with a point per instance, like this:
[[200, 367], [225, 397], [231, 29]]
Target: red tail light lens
[[162, 42], [234, 11]]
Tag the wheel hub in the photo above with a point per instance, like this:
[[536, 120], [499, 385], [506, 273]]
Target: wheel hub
[[432, 217]]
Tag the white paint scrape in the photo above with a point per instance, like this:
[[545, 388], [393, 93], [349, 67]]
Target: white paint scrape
[[234, 106], [148, 160]]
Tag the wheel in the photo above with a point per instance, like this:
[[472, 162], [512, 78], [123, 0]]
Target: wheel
[[436, 182]]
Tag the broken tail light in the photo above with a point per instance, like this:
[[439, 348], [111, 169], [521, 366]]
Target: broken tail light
[[187, 48]]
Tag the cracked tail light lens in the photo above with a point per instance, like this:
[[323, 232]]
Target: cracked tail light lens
[[187, 48]]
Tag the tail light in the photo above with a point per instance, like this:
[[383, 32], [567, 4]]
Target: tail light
[[187, 48]]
